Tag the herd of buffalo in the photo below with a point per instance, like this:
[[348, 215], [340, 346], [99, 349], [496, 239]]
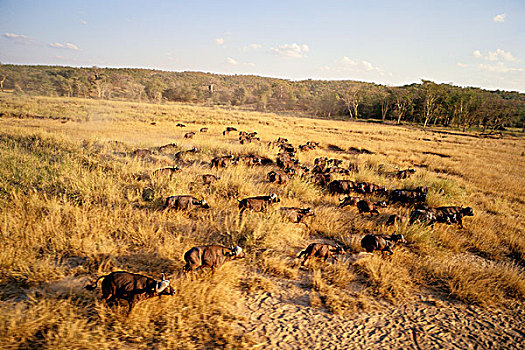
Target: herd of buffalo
[[134, 287]]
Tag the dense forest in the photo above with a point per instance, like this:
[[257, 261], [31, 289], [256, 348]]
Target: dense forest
[[427, 103]]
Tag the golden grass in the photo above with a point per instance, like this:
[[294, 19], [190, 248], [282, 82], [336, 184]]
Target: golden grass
[[72, 208]]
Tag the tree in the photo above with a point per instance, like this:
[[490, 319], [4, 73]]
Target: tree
[[2, 82], [327, 104], [351, 96], [154, 88], [430, 94], [239, 96], [385, 97], [403, 101]]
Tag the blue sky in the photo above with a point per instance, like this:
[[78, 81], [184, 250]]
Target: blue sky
[[394, 42]]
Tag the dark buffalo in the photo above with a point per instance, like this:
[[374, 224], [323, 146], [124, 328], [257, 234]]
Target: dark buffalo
[[208, 179], [180, 154], [404, 174], [141, 153], [385, 244], [337, 170], [366, 206], [189, 135], [296, 215], [228, 130], [224, 161], [258, 203], [428, 215], [342, 186], [210, 256], [349, 201], [203, 130], [370, 188], [249, 160], [455, 214], [278, 176], [180, 125], [409, 196], [322, 179], [131, 287], [169, 148], [447, 215], [320, 251], [392, 220], [185, 202], [167, 172]]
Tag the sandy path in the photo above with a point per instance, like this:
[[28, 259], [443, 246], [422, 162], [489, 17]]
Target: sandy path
[[286, 321]]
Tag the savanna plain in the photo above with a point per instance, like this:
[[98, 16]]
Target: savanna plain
[[75, 204]]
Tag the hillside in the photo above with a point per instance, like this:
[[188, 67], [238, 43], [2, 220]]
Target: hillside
[[427, 103], [74, 207]]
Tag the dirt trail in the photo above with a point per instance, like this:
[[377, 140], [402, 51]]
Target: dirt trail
[[285, 320]]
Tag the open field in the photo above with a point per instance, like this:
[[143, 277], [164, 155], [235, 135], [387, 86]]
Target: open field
[[72, 208]]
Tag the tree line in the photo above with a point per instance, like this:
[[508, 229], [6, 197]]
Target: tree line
[[426, 103]]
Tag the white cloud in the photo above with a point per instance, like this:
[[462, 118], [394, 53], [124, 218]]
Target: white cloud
[[497, 55], [367, 65], [291, 51], [462, 65], [232, 61], [83, 21], [67, 46], [499, 67], [348, 64], [253, 46], [219, 41], [348, 61], [499, 18], [19, 38]]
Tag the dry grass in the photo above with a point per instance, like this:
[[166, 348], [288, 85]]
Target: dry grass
[[72, 207]]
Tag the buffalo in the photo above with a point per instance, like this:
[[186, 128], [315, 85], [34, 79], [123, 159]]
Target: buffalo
[[447, 215], [322, 179], [249, 160], [210, 256], [167, 172], [258, 203], [180, 154], [169, 148], [392, 220], [141, 153], [228, 130], [366, 206], [455, 214], [409, 196], [342, 186], [296, 215], [385, 244], [189, 135], [370, 188], [279, 177], [208, 179], [223, 161], [131, 287], [185, 202], [404, 174], [320, 251], [349, 201]]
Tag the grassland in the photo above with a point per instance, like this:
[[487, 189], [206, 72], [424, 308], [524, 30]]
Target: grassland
[[71, 208]]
